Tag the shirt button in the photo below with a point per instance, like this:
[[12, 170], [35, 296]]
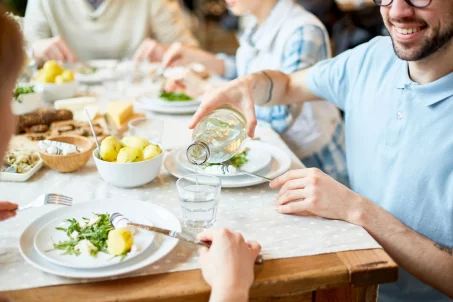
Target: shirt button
[[399, 115]]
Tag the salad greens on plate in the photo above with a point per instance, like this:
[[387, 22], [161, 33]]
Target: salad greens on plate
[[19, 90], [95, 230], [175, 96], [236, 161]]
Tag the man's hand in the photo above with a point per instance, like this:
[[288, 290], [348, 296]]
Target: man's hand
[[53, 49], [239, 94], [228, 264], [313, 191], [150, 50], [7, 210]]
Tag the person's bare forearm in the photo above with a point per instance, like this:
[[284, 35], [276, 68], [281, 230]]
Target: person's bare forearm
[[275, 87], [423, 258]]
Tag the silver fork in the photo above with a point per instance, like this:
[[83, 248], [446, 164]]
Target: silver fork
[[46, 199], [226, 164]]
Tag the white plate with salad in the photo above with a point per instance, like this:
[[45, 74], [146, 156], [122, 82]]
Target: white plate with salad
[[155, 105], [153, 214], [172, 99], [81, 240], [280, 163], [252, 158]]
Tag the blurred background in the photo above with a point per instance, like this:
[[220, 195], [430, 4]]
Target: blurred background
[[349, 22]]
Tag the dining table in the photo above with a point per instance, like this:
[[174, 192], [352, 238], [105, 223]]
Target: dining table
[[306, 258]]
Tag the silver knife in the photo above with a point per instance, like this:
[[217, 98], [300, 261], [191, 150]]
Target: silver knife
[[181, 236], [174, 234]]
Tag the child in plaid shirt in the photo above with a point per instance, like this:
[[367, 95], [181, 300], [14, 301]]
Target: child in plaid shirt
[[284, 37]]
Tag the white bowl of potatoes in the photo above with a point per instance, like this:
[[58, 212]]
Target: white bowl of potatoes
[[128, 163]]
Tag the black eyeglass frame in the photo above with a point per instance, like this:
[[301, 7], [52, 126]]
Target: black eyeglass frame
[[407, 1]]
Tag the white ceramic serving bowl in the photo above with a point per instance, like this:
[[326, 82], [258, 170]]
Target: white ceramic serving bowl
[[27, 103], [129, 175], [52, 92]]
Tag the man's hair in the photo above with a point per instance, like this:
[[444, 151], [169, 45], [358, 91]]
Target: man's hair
[[12, 54]]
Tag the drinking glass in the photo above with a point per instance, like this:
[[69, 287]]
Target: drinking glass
[[148, 128], [199, 195]]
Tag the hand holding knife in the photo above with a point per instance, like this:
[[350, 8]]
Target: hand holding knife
[[180, 236]]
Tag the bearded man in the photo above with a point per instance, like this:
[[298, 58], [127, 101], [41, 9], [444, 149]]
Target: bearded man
[[397, 94]]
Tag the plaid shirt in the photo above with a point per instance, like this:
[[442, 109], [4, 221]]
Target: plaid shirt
[[305, 48]]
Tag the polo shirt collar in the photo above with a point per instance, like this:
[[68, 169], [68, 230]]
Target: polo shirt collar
[[430, 93], [267, 32]]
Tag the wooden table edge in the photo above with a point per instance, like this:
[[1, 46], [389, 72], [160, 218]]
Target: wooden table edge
[[274, 278]]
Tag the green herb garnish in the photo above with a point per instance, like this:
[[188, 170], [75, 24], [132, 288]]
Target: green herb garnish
[[97, 234], [19, 90], [175, 96], [236, 161]]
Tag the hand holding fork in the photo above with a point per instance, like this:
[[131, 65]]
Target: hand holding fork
[[9, 209]]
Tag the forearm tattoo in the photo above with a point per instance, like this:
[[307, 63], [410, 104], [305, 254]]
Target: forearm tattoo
[[271, 87], [445, 249]]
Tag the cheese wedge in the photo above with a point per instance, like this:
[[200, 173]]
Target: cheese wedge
[[120, 112]]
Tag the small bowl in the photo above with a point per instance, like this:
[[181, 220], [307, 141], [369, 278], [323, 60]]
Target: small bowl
[[70, 162], [129, 175], [52, 92], [27, 103]]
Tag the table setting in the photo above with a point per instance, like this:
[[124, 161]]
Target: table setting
[[154, 191]]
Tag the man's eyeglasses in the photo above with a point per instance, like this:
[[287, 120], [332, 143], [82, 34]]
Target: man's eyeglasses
[[414, 3]]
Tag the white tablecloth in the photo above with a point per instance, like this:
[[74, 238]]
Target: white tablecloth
[[248, 210]]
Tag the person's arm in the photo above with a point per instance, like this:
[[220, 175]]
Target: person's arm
[[428, 261], [227, 266], [39, 36], [304, 48], [312, 191], [168, 25], [36, 25], [266, 88]]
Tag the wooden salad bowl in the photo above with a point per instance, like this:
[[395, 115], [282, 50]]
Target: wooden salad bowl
[[70, 162]]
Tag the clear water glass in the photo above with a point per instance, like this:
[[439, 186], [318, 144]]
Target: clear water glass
[[199, 195], [151, 129]]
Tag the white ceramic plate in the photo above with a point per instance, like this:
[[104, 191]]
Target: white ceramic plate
[[258, 159], [21, 177], [160, 246], [105, 72], [280, 163], [47, 235], [149, 104]]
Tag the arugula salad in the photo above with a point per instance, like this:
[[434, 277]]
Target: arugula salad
[[236, 162], [94, 235], [94, 230], [175, 96]]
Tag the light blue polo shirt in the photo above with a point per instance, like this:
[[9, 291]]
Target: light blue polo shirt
[[399, 144]]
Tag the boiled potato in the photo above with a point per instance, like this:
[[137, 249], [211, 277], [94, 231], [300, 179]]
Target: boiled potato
[[110, 147], [119, 241], [52, 66], [67, 76], [151, 151], [59, 79], [129, 155], [135, 142]]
